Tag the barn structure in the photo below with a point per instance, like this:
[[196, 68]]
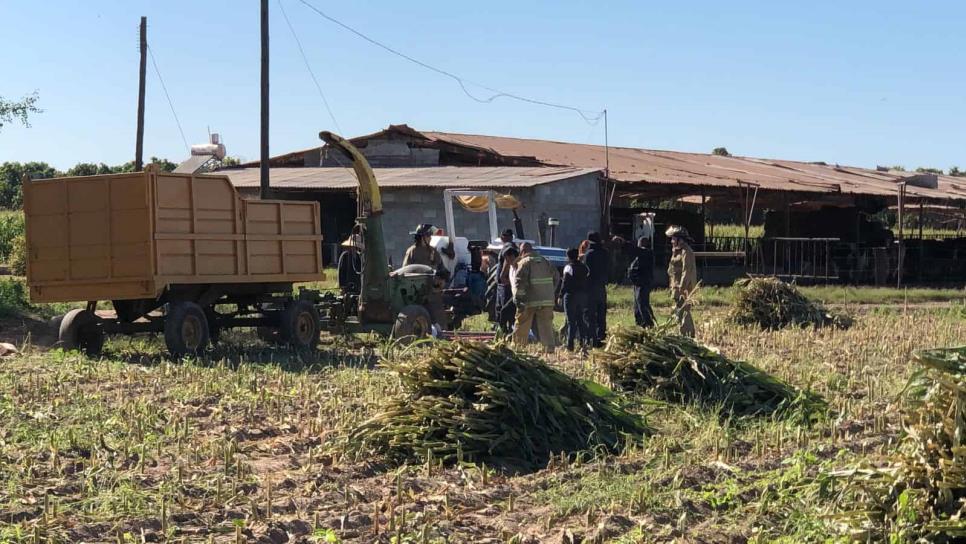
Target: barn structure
[[414, 196], [817, 216]]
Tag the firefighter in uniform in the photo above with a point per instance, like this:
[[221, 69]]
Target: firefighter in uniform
[[536, 282], [683, 277]]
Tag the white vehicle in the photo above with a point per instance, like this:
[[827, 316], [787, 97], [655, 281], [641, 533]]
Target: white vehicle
[[557, 256]]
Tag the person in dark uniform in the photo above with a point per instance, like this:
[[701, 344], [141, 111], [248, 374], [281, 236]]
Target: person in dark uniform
[[640, 274], [573, 291], [597, 259], [506, 309]]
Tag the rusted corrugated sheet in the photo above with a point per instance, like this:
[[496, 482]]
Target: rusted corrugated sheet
[[673, 172], [443, 176], [673, 167]]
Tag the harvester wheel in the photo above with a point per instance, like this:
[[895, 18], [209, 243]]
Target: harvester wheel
[[185, 329], [412, 323], [79, 330], [300, 326]]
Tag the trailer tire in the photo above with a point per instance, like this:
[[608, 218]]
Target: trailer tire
[[300, 325], [79, 331], [185, 329], [412, 323]]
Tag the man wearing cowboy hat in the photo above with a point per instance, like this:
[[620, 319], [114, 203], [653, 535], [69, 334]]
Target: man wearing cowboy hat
[[350, 264], [683, 277]]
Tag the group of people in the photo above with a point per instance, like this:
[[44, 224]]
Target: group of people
[[529, 286]]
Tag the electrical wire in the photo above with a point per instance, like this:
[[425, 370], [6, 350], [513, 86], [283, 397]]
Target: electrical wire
[[589, 116], [308, 67], [166, 95]]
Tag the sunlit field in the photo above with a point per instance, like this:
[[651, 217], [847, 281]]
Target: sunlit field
[[237, 446]]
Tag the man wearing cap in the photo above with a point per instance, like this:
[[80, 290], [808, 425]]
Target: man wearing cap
[[683, 277], [423, 253], [350, 263], [506, 236], [536, 282]]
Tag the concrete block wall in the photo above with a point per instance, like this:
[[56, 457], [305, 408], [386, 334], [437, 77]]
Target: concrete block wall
[[575, 202], [407, 208]]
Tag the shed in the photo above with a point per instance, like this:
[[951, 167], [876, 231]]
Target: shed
[[412, 196]]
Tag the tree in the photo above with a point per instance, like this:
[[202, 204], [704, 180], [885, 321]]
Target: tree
[[721, 152], [923, 170], [89, 169], [164, 164], [11, 175], [956, 172], [11, 110]]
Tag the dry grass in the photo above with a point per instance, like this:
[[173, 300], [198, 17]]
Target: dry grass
[[231, 448]]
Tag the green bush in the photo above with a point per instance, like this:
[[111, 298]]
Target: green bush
[[11, 226], [18, 255], [13, 297]]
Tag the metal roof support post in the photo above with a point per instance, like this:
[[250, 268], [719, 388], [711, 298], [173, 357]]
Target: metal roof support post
[[749, 210], [899, 217]]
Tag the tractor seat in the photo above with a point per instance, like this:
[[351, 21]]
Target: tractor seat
[[413, 270]]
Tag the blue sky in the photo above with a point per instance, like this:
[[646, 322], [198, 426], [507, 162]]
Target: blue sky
[[853, 82]]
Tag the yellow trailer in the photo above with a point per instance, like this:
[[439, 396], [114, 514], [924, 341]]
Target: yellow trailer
[[184, 242]]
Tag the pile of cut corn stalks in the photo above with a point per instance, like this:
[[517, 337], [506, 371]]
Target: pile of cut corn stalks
[[773, 304], [921, 495], [482, 403], [677, 369]]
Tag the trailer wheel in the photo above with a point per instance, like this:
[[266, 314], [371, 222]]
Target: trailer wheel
[[299, 326], [79, 331], [412, 323], [185, 329]]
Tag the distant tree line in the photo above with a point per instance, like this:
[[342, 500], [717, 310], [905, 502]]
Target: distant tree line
[[953, 171], [11, 174]]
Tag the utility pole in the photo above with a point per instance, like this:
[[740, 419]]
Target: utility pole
[[139, 146], [264, 109]]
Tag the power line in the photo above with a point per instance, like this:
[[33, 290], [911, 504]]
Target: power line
[[591, 117], [308, 66], [170, 104]]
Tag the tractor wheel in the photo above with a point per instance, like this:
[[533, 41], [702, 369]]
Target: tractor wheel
[[185, 329], [412, 323], [79, 331], [489, 297], [299, 326]]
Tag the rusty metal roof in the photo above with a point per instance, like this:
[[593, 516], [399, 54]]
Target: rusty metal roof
[[696, 169], [675, 172], [319, 178]]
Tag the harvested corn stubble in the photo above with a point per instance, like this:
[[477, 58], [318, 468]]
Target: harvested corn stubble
[[773, 304], [675, 368], [484, 403], [920, 493]]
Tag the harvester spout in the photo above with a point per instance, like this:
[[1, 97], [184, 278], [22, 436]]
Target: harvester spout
[[368, 188], [374, 298]]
